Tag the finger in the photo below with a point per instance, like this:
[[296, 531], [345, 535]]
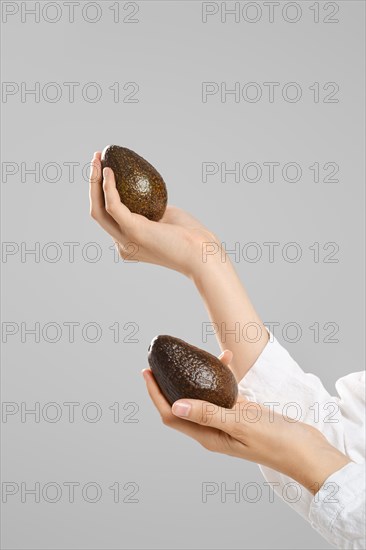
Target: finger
[[155, 393], [208, 414], [97, 208], [95, 174], [204, 435], [119, 212], [226, 357]]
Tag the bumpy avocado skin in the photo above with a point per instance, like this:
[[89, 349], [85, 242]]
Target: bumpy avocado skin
[[185, 371], [140, 186]]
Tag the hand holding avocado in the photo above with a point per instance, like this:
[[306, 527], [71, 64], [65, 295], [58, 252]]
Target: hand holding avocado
[[140, 186], [174, 242], [252, 432]]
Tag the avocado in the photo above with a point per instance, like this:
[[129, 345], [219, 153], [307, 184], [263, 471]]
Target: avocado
[[182, 370], [140, 186]]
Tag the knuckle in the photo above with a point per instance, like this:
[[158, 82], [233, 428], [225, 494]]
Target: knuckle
[[122, 250], [167, 419], [124, 256], [110, 208], [94, 213], [207, 445]]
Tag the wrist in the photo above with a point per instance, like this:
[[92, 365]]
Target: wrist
[[210, 263], [316, 465]]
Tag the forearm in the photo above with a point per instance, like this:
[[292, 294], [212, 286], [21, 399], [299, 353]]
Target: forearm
[[237, 324], [314, 467]]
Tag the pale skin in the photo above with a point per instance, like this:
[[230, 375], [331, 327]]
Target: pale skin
[[248, 431]]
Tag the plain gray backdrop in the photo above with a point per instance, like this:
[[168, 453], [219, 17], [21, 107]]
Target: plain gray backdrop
[[160, 63]]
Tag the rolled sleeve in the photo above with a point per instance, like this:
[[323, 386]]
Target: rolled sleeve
[[276, 380], [337, 511]]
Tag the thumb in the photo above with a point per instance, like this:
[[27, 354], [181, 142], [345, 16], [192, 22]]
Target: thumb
[[208, 414], [226, 357], [115, 208]]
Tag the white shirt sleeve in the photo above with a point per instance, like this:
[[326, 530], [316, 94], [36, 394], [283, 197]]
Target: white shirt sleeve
[[277, 381], [340, 516]]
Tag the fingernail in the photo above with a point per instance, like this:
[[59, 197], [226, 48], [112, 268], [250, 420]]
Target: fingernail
[[181, 408], [106, 172]]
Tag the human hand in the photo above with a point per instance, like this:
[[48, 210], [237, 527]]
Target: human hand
[[253, 432], [174, 242]]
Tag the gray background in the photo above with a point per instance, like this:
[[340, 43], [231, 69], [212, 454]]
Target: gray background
[[169, 53]]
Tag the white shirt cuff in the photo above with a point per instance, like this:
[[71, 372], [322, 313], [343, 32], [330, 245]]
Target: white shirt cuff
[[337, 511]]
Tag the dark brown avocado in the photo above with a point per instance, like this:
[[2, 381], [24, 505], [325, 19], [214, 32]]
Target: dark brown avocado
[[140, 186], [184, 371]]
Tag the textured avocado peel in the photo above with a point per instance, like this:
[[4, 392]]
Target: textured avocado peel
[[185, 371], [140, 186]]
